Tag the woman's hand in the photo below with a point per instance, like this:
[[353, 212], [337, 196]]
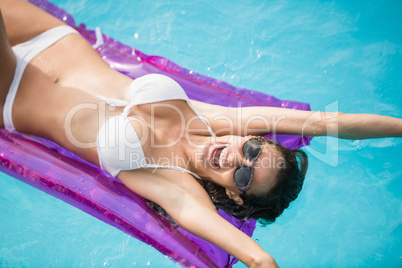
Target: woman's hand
[[267, 261]]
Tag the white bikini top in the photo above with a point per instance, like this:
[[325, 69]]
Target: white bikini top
[[119, 147]]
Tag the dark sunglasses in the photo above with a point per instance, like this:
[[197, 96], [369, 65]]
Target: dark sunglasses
[[243, 176]]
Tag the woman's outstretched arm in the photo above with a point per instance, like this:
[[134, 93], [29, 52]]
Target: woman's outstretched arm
[[191, 208], [266, 120]]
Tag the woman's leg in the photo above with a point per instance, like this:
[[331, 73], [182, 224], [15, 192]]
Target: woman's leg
[[23, 20], [7, 63], [70, 62]]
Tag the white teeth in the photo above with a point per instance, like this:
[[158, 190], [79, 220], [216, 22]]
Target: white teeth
[[221, 156]]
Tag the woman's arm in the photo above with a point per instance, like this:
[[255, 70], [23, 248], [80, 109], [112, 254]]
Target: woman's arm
[[265, 120], [191, 208]]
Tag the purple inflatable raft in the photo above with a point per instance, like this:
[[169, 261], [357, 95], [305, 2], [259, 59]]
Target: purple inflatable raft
[[52, 169]]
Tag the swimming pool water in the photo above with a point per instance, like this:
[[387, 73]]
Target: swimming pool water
[[344, 55]]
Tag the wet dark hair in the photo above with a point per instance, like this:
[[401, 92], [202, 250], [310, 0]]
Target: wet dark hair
[[266, 208]]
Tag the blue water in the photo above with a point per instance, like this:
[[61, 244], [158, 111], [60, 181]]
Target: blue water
[[344, 55]]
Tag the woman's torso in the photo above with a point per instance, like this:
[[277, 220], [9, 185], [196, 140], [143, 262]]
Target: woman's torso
[[70, 74]]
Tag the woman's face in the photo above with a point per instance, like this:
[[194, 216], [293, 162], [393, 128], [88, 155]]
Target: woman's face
[[224, 155]]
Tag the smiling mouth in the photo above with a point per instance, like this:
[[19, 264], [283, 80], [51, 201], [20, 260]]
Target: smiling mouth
[[215, 159]]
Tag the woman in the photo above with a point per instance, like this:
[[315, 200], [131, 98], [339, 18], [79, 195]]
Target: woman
[[158, 145]]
